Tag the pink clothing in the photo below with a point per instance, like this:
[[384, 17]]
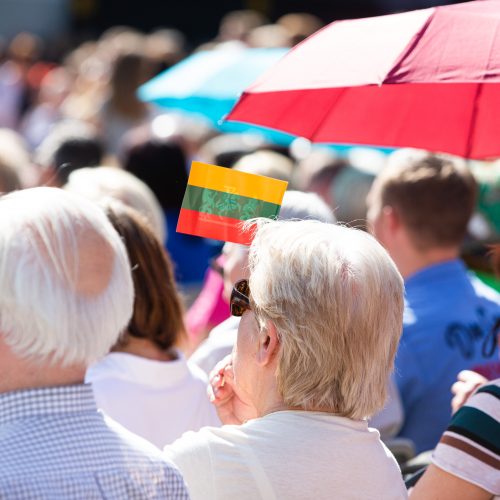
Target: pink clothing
[[210, 308]]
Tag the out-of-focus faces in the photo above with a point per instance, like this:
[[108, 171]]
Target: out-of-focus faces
[[235, 266], [375, 216]]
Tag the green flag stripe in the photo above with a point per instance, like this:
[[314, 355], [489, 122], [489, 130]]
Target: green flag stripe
[[494, 390], [471, 421], [234, 206]]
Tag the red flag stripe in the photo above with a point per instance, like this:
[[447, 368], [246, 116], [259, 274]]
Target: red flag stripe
[[212, 226]]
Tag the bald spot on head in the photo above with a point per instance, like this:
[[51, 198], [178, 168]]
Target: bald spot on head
[[87, 264]]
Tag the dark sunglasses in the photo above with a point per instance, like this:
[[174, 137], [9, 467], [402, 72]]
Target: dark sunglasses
[[240, 298]]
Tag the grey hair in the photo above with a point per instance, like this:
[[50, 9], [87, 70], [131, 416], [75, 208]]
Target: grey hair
[[336, 300], [307, 206], [67, 291], [101, 183]]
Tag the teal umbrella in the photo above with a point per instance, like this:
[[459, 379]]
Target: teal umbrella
[[210, 82]]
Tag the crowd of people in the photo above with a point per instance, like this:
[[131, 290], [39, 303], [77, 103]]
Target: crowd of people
[[138, 362]]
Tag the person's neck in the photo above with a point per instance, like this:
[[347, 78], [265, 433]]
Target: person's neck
[[144, 348], [412, 260], [31, 375], [268, 400]]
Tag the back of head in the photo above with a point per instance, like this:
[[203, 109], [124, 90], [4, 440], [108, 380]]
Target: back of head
[[158, 312], [65, 277], [15, 161], [434, 196], [226, 149], [336, 299], [267, 163], [68, 147], [161, 164], [101, 183], [305, 206]]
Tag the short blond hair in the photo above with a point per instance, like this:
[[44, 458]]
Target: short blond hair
[[336, 300], [433, 194]]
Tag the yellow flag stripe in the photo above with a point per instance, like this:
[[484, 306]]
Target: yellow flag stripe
[[234, 182]]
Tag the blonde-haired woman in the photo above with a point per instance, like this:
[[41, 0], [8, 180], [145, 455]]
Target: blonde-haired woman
[[321, 318]]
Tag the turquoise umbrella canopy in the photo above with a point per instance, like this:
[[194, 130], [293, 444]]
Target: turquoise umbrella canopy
[[210, 82]]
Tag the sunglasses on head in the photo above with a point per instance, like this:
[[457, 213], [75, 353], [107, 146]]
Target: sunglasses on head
[[240, 298]]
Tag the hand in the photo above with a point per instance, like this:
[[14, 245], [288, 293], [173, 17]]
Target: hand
[[233, 407], [466, 384]]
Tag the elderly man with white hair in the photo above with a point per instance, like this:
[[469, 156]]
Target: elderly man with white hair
[[66, 294], [321, 317]]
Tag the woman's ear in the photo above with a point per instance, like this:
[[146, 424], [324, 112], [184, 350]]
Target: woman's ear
[[268, 345]]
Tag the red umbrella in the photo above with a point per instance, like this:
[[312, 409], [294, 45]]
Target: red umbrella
[[428, 79]]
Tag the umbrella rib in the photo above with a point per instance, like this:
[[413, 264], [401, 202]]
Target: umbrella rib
[[472, 129], [326, 113], [408, 50]]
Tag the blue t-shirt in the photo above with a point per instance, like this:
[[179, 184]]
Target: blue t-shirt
[[448, 314]]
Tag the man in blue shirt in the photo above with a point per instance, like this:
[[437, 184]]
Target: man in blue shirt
[[66, 294], [419, 208]]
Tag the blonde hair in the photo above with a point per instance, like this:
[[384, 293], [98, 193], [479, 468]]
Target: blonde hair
[[336, 300], [433, 194]]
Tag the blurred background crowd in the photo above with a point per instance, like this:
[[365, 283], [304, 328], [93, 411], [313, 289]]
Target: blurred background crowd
[[72, 117]]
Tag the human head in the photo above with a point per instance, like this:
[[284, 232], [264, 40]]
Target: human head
[[325, 319], [161, 164], [101, 183], [65, 278], [295, 205], [236, 25], [266, 162], [158, 313], [15, 157], [430, 197], [69, 146]]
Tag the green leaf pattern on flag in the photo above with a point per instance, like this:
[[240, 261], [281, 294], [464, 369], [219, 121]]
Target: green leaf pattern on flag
[[227, 204]]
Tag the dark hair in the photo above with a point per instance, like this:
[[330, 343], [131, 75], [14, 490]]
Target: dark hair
[[161, 164], [75, 153], [158, 312]]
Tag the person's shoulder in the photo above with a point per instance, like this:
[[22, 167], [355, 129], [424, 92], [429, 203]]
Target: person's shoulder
[[196, 374], [134, 446], [487, 392], [482, 290], [479, 418]]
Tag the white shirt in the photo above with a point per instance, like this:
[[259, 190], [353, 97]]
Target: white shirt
[[217, 345], [220, 343], [158, 400], [288, 455]]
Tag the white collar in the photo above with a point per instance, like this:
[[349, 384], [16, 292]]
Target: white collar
[[139, 370]]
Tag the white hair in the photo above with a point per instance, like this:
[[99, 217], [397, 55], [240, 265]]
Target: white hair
[[336, 300], [296, 205], [67, 290], [101, 183], [307, 206]]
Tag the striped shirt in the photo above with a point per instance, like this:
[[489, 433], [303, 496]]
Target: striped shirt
[[470, 447], [55, 444]]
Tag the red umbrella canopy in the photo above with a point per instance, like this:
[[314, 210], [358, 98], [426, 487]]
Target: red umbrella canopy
[[428, 79]]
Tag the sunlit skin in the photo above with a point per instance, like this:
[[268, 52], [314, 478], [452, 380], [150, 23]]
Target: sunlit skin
[[386, 225], [243, 385], [95, 265]]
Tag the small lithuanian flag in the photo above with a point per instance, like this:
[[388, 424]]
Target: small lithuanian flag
[[218, 199]]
